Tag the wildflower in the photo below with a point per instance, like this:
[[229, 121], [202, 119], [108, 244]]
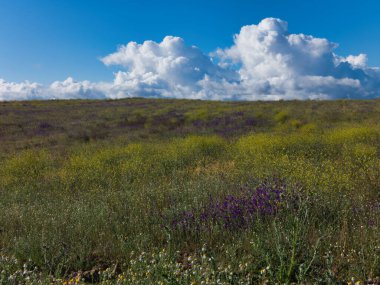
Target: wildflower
[[235, 211]]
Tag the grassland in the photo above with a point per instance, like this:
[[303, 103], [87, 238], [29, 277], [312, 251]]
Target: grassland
[[142, 191]]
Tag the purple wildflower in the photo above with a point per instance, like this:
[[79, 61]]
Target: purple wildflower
[[236, 211]]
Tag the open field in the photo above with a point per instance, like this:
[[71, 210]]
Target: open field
[[143, 191]]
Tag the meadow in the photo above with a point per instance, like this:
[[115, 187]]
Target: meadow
[[149, 191]]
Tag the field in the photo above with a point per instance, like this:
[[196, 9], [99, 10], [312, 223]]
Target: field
[[143, 191]]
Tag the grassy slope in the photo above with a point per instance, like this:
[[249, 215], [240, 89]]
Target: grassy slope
[[88, 184], [60, 124]]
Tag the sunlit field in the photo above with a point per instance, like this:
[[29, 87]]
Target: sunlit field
[[143, 191]]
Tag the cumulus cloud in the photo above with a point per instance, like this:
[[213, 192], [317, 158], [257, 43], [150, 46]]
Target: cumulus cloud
[[167, 69], [19, 91], [358, 61], [71, 89], [266, 62], [67, 89], [296, 65]]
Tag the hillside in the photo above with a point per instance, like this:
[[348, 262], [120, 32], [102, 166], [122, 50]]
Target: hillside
[[57, 124], [144, 191]]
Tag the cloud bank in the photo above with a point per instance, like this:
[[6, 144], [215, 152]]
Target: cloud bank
[[265, 62]]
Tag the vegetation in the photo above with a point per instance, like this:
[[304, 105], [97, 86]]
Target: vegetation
[[142, 191]]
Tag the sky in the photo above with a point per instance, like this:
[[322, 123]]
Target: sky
[[244, 50]]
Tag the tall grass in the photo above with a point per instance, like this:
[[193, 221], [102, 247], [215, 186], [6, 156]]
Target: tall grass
[[140, 212]]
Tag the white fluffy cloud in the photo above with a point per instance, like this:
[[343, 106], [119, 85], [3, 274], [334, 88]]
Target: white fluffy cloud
[[359, 61], [67, 89], [19, 91], [167, 69], [296, 65], [76, 90], [265, 62]]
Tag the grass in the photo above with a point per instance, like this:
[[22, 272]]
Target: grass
[[142, 191]]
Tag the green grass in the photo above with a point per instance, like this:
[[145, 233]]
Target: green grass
[[90, 189]]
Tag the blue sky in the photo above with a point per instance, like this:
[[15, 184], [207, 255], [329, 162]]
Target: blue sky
[[47, 40]]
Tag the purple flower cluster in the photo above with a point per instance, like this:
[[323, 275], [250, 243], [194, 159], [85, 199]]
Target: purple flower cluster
[[236, 211]]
